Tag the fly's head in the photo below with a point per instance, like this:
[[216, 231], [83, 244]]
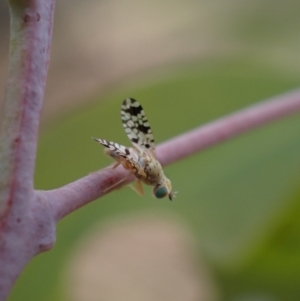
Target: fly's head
[[164, 188]]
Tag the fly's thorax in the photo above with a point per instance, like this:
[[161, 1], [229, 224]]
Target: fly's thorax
[[154, 171]]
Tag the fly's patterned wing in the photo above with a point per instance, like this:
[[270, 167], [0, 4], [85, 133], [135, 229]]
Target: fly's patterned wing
[[136, 124], [120, 153], [118, 149], [123, 155]]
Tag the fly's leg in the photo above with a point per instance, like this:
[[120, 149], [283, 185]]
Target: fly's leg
[[138, 188], [118, 183], [115, 165]]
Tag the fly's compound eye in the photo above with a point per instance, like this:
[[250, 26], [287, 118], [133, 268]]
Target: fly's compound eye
[[160, 192]]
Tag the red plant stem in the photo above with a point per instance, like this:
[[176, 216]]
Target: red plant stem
[[229, 126], [30, 39], [26, 227], [74, 195]]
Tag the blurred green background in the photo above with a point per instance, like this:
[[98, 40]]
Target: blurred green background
[[238, 203]]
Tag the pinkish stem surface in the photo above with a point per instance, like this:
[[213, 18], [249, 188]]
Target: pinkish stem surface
[[26, 225]]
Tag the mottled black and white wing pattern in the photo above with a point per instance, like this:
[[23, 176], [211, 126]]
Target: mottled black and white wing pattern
[[136, 124], [122, 154], [117, 148], [140, 159]]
